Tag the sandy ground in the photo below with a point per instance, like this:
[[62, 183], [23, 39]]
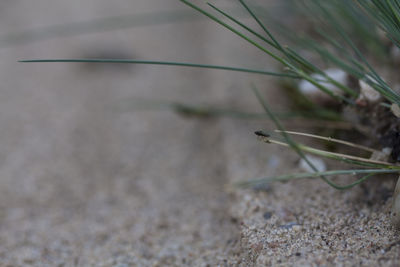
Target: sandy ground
[[87, 179]]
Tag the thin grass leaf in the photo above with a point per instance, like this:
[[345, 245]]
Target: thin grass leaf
[[277, 44], [308, 43], [280, 59], [289, 141], [330, 139], [343, 87], [335, 156], [294, 56], [283, 178], [387, 14], [377, 83], [148, 62], [242, 25], [254, 43]]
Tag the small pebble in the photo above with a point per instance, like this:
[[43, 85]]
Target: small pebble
[[395, 54], [395, 110], [316, 94], [318, 163], [289, 225], [267, 215], [296, 227], [382, 155], [368, 94]]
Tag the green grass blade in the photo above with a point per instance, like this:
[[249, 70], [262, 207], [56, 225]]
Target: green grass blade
[[291, 143], [381, 85], [335, 156], [280, 59], [277, 44], [254, 43], [148, 62], [296, 176], [242, 25], [291, 54]]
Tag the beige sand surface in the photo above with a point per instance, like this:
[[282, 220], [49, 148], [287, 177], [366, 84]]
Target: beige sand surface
[[84, 182]]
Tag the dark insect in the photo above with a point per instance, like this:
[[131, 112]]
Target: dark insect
[[261, 133]]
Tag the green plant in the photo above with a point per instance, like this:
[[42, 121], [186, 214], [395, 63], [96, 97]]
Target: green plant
[[331, 25]]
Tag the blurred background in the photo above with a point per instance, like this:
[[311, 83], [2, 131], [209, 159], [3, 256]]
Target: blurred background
[[105, 165], [95, 168]]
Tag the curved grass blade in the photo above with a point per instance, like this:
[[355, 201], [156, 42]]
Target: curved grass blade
[[377, 82], [242, 25], [292, 144], [330, 139], [148, 62], [335, 156], [298, 149], [387, 14], [277, 44], [282, 178], [291, 54], [278, 58]]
